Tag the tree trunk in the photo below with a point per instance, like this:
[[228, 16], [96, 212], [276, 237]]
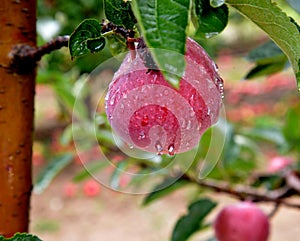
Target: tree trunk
[[17, 24]]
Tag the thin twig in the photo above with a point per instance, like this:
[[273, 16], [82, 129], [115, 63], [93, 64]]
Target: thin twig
[[274, 210], [246, 192]]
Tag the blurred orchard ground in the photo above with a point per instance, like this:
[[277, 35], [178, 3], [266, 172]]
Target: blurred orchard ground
[[75, 205]]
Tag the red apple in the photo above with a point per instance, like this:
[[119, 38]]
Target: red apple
[[91, 188], [70, 189], [278, 163], [148, 113], [241, 222]]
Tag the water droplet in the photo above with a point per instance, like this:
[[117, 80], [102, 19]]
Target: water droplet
[[192, 100], [144, 87], [171, 150], [142, 135], [153, 80], [158, 147], [110, 116], [211, 34], [208, 111], [124, 96], [112, 100], [183, 124], [166, 92], [122, 106], [189, 125], [192, 113], [221, 88], [216, 3], [215, 66], [211, 85], [131, 147]]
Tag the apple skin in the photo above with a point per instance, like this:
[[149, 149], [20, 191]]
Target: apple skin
[[148, 113], [241, 222], [278, 163]]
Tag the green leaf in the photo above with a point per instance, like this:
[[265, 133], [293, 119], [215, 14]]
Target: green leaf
[[163, 25], [272, 135], [96, 44], [291, 128], [269, 59], [51, 170], [67, 135], [265, 69], [266, 53], [86, 38], [117, 44], [270, 182], [168, 186], [119, 12], [295, 4], [270, 18], [64, 91], [115, 177], [90, 169], [209, 20], [193, 221], [21, 237]]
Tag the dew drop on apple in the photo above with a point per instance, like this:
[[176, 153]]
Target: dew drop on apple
[[189, 125], [158, 147], [171, 150], [142, 135], [112, 100], [183, 123]]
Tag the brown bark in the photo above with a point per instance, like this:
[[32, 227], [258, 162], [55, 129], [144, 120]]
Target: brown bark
[[17, 24]]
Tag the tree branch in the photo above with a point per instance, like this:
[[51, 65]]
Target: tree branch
[[246, 192], [24, 57]]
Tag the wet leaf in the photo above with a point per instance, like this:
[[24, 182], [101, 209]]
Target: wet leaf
[[209, 20], [281, 29], [86, 38], [163, 25], [193, 221], [21, 237], [119, 12], [96, 44]]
